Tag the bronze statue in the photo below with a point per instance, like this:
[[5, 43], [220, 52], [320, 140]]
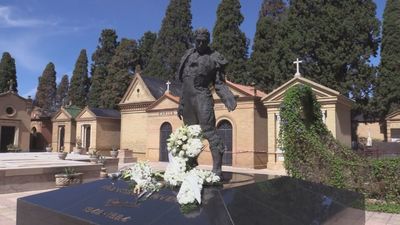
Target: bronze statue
[[200, 69]]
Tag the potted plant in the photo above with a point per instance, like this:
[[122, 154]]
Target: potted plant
[[13, 148], [114, 152], [61, 154], [68, 177], [49, 148], [78, 148]]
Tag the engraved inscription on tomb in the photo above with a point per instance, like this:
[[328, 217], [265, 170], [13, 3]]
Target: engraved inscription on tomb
[[118, 217]]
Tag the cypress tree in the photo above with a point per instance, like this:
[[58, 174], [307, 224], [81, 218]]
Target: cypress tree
[[101, 58], [62, 92], [387, 94], [120, 69], [145, 48], [7, 73], [79, 86], [230, 41], [46, 90], [265, 59], [174, 38], [335, 40]]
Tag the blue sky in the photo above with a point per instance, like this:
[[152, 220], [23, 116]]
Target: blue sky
[[37, 32]]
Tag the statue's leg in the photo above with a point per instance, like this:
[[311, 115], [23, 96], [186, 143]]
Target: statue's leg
[[216, 146], [207, 122], [189, 111]]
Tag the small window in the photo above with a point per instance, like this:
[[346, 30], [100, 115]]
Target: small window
[[395, 135], [10, 111]]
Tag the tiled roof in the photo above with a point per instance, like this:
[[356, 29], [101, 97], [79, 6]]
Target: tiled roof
[[158, 86], [110, 113], [73, 110], [175, 98], [247, 89]]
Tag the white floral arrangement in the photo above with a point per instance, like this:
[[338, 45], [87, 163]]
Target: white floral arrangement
[[186, 142], [190, 191], [175, 171], [184, 146], [143, 175]]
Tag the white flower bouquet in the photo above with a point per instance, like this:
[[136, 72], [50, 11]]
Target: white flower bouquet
[[186, 142], [184, 146], [190, 192], [144, 177], [175, 171]]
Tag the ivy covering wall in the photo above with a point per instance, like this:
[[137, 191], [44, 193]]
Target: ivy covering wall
[[312, 153]]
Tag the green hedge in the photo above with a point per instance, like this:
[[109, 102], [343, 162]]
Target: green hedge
[[385, 180], [312, 153]]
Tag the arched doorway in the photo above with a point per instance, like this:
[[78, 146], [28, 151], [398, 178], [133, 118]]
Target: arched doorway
[[34, 140], [224, 129], [61, 136], [7, 137], [86, 136], [165, 131]]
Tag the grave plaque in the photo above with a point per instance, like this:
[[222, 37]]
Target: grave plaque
[[243, 200]]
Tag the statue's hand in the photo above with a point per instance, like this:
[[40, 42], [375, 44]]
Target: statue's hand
[[230, 104]]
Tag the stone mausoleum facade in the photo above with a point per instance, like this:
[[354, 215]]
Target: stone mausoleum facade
[[148, 116], [64, 128], [98, 129], [15, 121]]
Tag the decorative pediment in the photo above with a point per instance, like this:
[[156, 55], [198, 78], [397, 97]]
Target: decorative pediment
[[394, 115], [11, 94], [137, 91], [319, 90], [167, 101], [61, 115], [13, 99], [85, 114]]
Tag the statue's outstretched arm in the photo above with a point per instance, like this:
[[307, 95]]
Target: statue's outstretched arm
[[223, 91]]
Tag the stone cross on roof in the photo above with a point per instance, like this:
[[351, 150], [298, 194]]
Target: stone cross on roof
[[297, 62], [168, 83]]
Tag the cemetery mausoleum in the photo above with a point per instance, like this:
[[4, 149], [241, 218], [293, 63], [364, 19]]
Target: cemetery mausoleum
[[15, 121], [98, 128], [41, 130], [64, 128], [148, 116], [335, 114]]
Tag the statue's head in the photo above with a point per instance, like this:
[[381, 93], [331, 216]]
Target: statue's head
[[202, 39]]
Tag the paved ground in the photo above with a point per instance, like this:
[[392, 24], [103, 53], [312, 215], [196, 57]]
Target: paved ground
[[21, 172], [39, 160], [346, 217]]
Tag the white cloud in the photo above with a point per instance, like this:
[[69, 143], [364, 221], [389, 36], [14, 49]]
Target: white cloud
[[24, 51], [8, 19]]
